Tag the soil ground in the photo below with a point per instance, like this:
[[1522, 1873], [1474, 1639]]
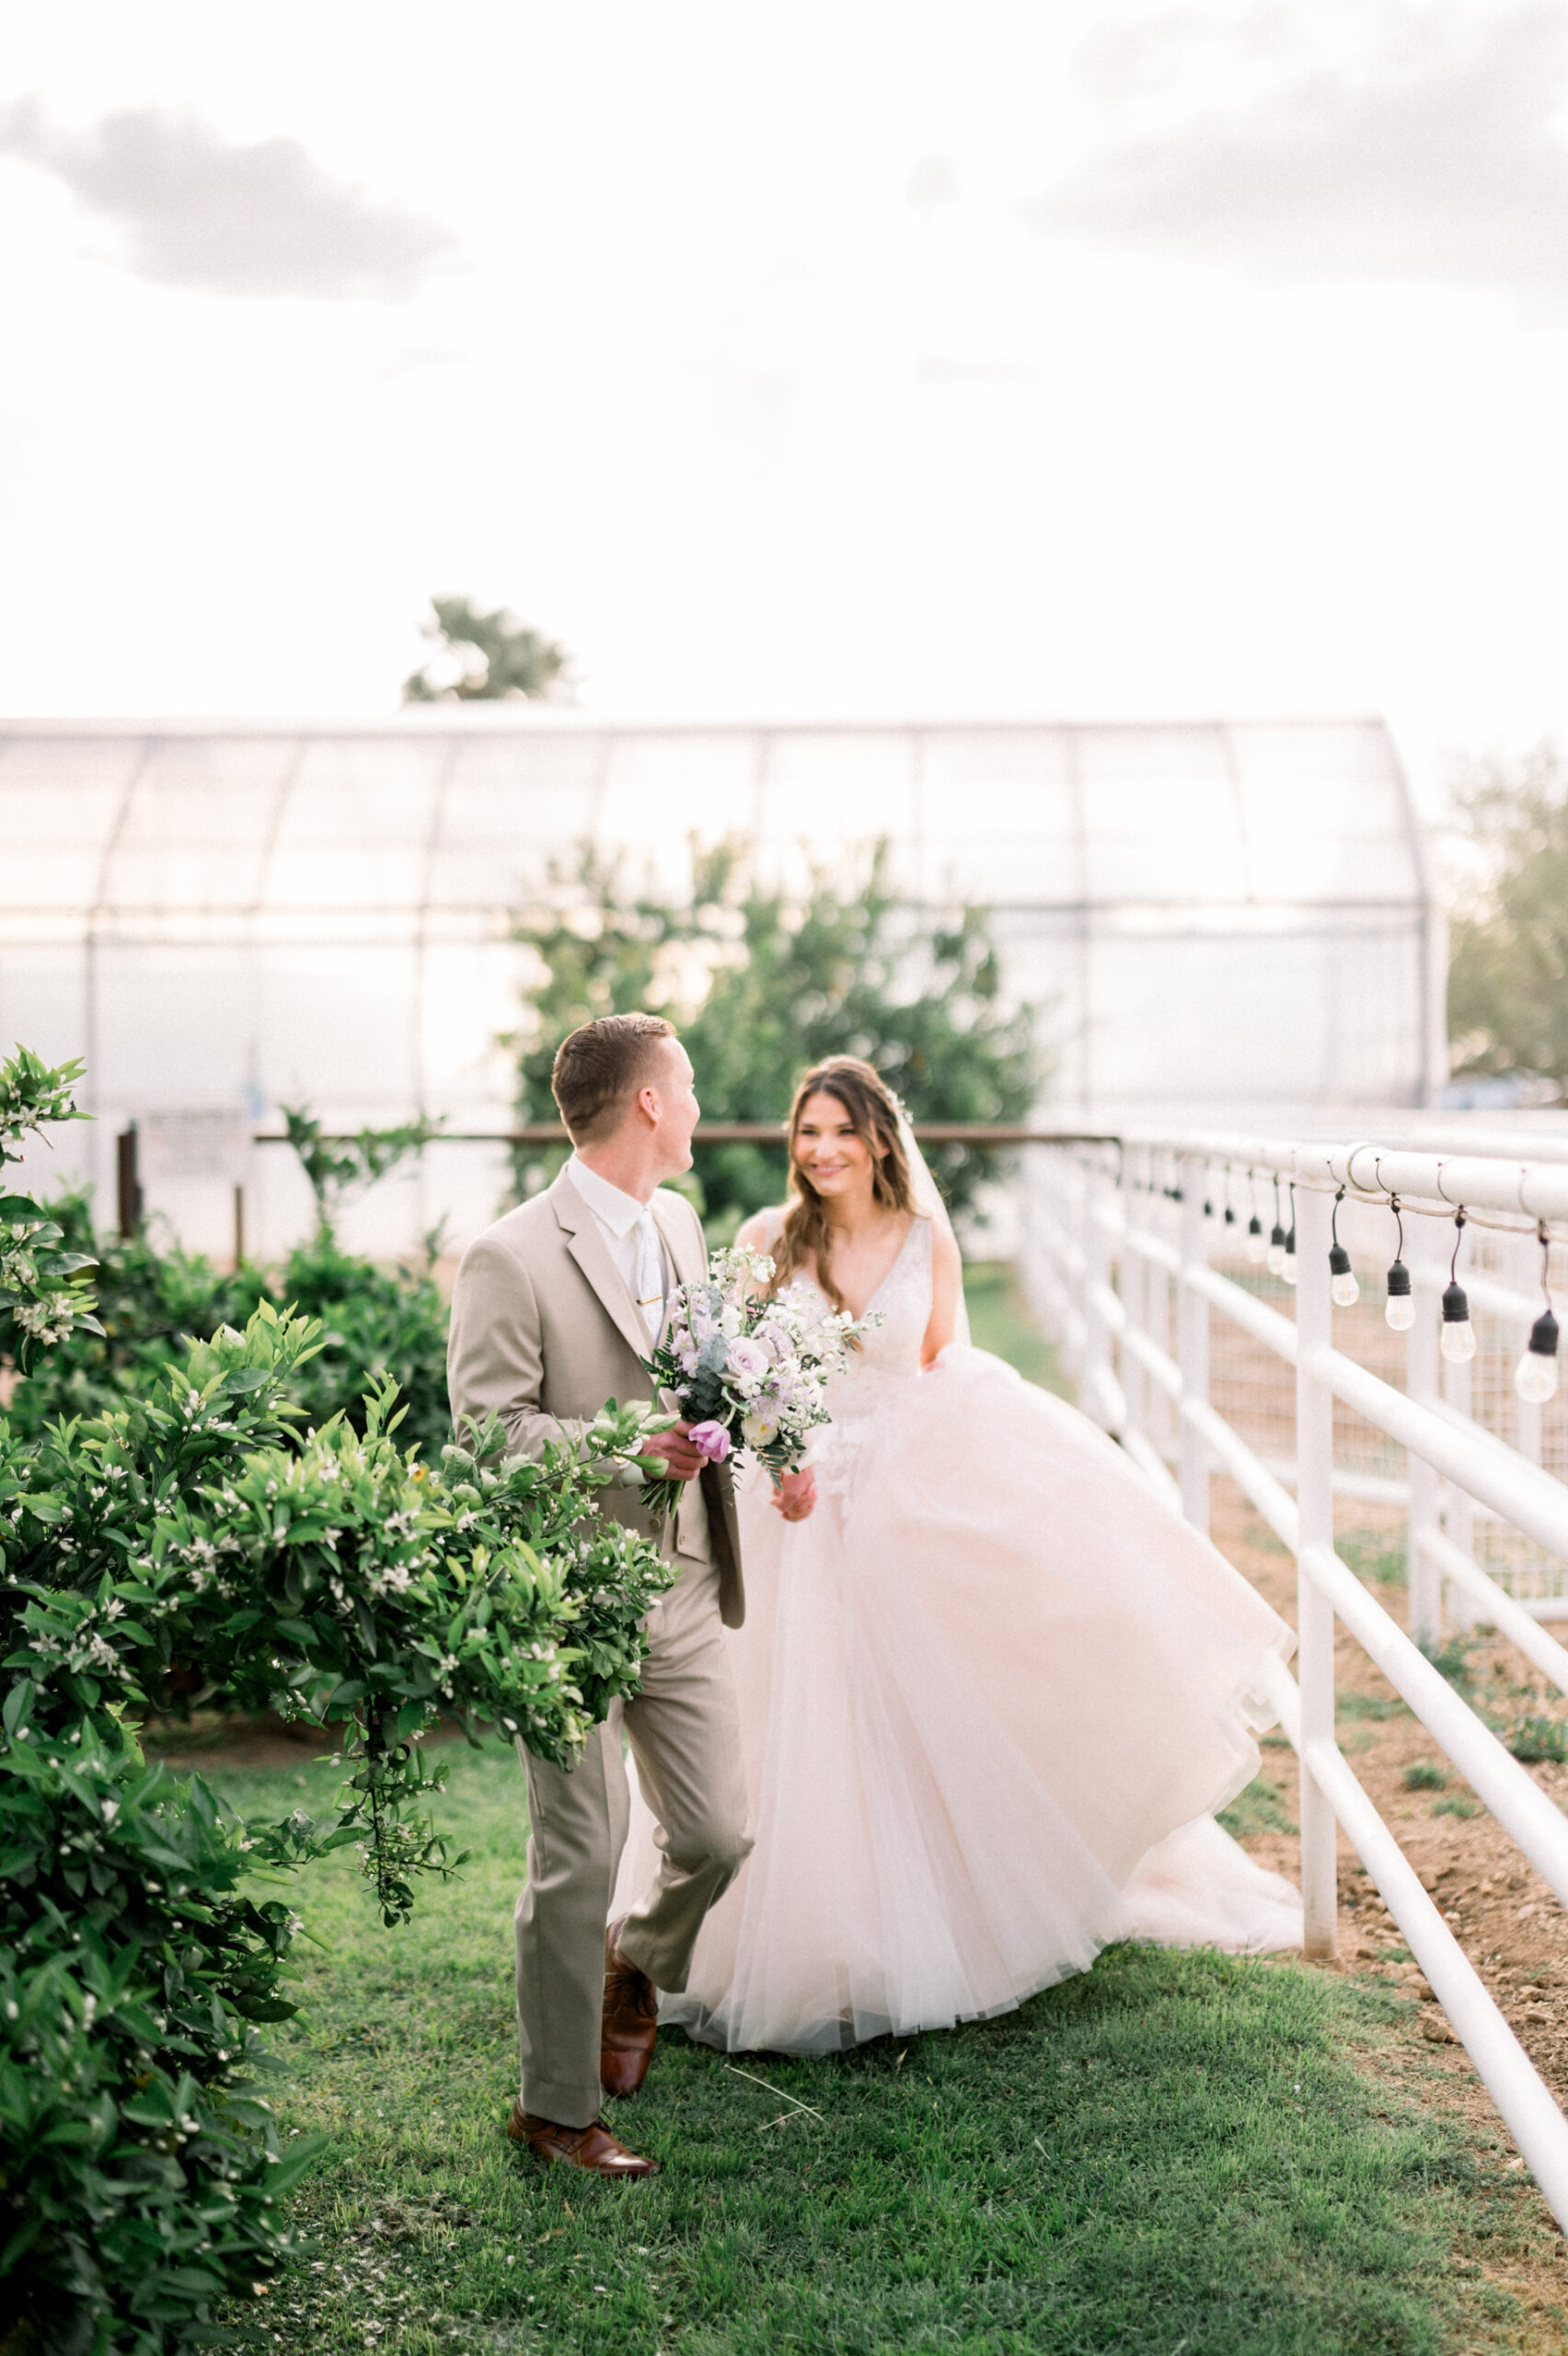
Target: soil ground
[[1499, 1910]]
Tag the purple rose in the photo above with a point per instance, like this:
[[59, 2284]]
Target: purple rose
[[744, 1358], [710, 1439]]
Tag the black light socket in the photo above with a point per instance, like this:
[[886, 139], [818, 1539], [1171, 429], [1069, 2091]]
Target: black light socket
[[1399, 1281]]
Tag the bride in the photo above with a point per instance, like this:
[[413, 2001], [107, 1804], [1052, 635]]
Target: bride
[[991, 1689]]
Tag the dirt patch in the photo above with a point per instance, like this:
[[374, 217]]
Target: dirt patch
[[231, 1739], [1500, 1911]]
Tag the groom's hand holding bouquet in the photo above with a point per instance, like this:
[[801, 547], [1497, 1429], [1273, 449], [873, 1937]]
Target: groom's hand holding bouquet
[[746, 1370]]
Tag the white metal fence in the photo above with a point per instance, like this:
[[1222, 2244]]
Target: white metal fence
[[1206, 1345]]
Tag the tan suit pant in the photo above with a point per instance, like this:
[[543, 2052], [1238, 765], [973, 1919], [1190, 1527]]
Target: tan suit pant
[[684, 1735]]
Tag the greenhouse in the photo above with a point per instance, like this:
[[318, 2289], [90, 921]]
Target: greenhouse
[[224, 916]]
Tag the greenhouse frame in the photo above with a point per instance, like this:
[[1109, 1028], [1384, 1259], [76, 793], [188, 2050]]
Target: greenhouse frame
[[1227, 919]]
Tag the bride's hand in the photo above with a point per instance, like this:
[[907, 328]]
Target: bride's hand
[[795, 1495]]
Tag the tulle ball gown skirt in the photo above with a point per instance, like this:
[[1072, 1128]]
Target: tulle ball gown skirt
[[991, 1693]]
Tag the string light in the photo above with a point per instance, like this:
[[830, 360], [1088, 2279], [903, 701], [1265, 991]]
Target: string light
[[1347, 1292], [1400, 1310], [1459, 1334], [1276, 1239], [1288, 1270], [1256, 1244], [1535, 1377]]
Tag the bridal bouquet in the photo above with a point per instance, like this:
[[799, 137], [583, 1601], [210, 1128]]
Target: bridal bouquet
[[745, 1371]]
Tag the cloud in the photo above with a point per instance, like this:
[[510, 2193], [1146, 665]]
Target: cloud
[[1428, 152], [262, 219], [932, 184]]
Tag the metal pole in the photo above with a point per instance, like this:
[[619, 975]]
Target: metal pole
[[1421, 1384], [1130, 1286], [1097, 1274], [238, 1225], [1459, 1513], [1193, 1345], [127, 1186], [1315, 1614]]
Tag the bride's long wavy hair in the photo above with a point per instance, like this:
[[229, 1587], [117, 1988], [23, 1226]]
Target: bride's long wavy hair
[[873, 1114]]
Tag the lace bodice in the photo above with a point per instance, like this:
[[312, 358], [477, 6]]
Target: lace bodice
[[888, 1354]]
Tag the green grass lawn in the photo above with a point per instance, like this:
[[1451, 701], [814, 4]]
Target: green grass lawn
[[1172, 2156], [1001, 1320]]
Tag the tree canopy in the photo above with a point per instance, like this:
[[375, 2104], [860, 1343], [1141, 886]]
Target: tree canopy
[[763, 985], [481, 657], [1509, 980]]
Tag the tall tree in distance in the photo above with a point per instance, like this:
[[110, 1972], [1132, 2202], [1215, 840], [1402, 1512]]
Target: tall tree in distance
[[485, 658], [1508, 980]]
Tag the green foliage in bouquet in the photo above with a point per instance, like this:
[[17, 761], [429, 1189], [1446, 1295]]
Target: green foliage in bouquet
[[188, 1538], [762, 985]]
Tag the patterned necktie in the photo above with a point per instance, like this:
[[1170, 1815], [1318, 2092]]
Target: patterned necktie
[[650, 1273]]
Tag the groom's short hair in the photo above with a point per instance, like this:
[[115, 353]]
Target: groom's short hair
[[599, 1068]]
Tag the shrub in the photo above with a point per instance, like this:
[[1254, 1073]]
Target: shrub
[[1424, 1775], [1535, 1738], [186, 1538], [153, 1299]]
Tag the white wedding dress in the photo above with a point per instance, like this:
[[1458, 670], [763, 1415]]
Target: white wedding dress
[[990, 1694]]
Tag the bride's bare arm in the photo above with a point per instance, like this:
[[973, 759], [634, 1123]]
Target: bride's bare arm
[[946, 1284]]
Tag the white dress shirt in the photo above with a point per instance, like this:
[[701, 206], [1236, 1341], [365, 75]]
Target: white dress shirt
[[633, 1240]]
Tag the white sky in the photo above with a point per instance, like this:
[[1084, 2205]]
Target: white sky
[[867, 358]]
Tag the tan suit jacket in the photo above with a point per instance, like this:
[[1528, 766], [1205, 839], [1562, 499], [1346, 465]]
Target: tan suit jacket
[[544, 1331]]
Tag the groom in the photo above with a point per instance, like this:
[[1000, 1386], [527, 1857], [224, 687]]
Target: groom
[[554, 1306]]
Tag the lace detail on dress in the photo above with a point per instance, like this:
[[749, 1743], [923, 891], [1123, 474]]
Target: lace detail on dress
[[888, 1358]]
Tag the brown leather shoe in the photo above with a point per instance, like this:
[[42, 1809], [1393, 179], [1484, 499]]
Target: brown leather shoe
[[593, 2148], [631, 2020]]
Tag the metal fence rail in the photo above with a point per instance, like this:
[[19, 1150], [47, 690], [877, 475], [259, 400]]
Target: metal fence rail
[[1139, 1260]]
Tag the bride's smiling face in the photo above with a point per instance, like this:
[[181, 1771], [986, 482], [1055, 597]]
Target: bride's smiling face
[[828, 1152]]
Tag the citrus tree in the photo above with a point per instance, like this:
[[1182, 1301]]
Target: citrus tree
[[193, 1537]]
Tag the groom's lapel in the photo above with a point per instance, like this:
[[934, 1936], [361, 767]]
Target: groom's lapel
[[587, 1247]]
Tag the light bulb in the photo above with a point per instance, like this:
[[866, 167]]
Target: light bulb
[[1535, 1377], [1288, 1271], [1400, 1309], [1256, 1246], [1344, 1290], [1277, 1252], [1458, 1345]]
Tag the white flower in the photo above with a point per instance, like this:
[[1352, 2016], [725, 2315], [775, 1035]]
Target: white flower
[[758, 1430]]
